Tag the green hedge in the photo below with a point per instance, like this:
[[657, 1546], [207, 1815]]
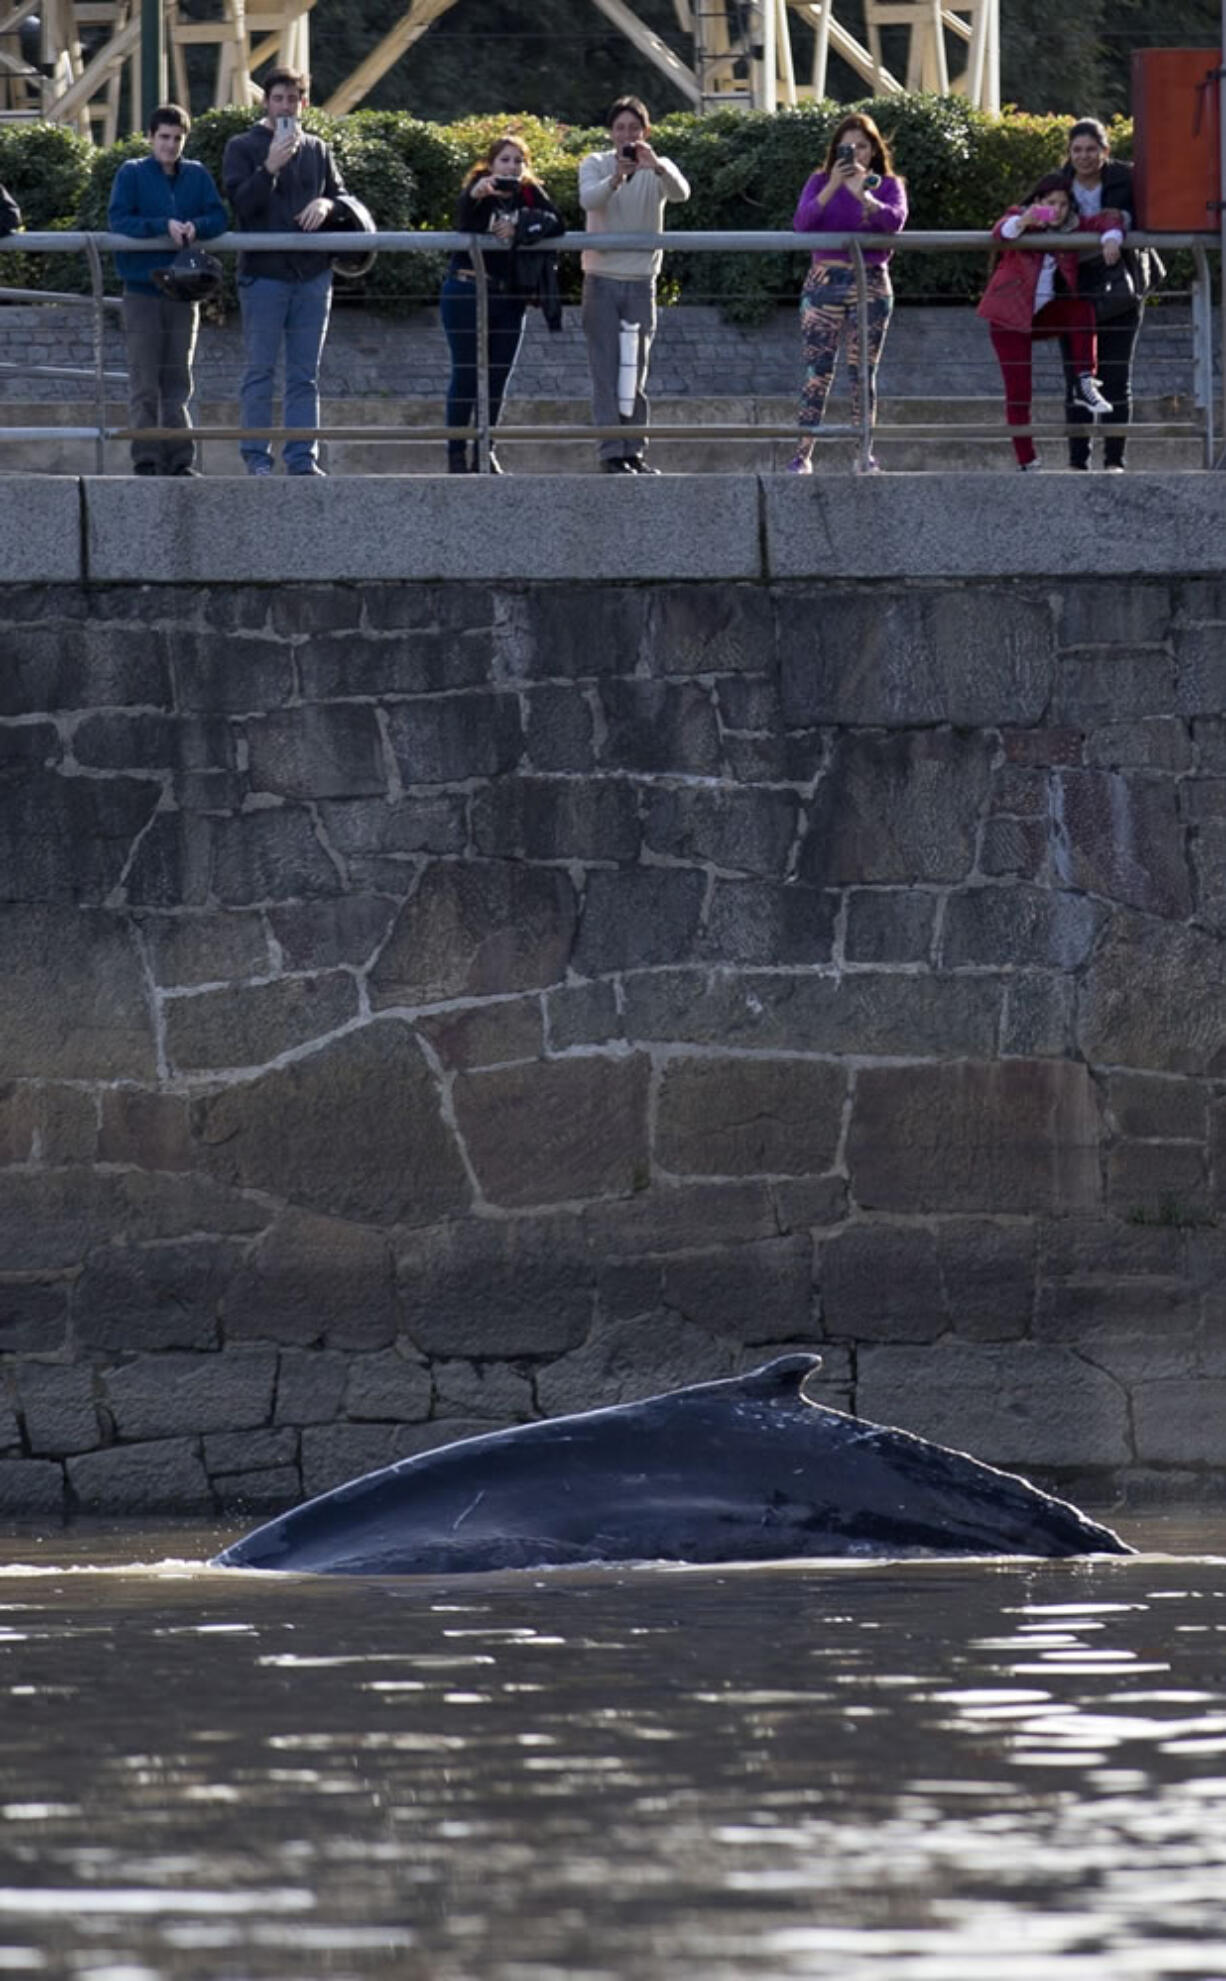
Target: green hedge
[[746, 169]]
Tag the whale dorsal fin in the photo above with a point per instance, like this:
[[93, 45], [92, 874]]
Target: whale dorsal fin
[[780, 1381]]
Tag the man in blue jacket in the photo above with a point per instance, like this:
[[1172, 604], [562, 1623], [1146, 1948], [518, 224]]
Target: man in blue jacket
[[162, 194]]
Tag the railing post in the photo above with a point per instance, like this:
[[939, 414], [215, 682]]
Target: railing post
[[865, 454], [94, 258], [482, 448], [1202, 346]]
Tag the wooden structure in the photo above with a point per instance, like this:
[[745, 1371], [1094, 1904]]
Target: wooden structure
[[743, 52]]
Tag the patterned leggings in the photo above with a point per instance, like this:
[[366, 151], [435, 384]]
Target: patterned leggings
[[827, 313]]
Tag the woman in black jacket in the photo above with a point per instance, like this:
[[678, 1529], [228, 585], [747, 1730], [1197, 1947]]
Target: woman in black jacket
[[1095, 181], [495, 191]]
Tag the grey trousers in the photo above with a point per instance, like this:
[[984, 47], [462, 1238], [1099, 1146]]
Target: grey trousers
[[161, 338], [607, 304]]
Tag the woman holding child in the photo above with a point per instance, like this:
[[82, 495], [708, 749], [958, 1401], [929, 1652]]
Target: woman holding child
[[1033, 295], [1096, 180]]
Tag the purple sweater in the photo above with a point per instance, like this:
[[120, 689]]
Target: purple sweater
[[843, 214]]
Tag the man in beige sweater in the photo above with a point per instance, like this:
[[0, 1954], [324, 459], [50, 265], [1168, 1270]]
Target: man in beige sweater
[[623, 191]]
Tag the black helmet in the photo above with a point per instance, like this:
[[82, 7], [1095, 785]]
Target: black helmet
[[349, 216], [192, 277]]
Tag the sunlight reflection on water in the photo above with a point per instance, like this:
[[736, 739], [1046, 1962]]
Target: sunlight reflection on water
[[917, 1771]]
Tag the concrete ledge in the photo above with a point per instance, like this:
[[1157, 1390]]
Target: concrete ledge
[[605, 528], [988, 525], [40, 529], [420, 527]]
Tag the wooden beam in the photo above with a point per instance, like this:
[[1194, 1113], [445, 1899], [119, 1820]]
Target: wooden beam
[[650, 44], [411, 26], [95, 73]]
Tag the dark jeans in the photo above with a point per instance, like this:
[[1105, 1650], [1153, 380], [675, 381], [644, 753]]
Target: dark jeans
[[294, 314], [458, 310], [1116, 341], [160, 335]]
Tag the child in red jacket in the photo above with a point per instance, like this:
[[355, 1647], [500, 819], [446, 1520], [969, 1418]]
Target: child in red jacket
[[1032, 295]]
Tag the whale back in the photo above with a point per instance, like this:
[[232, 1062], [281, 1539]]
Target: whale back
[[745, 1468]]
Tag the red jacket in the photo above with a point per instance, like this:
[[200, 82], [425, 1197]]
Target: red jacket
[[1008, 299]]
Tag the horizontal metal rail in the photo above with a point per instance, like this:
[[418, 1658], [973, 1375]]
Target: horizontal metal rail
[[94, 244]]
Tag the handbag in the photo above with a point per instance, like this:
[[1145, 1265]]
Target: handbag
[[1111, 289]]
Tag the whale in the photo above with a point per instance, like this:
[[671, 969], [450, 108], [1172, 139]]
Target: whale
[[746, 1469]]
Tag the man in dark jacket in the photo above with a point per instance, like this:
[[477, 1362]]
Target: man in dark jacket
[[10, 213], [281, 180], [162, 194]]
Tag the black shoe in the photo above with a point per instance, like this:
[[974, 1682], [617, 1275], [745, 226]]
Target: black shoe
[[194, 473], [145, 468], [619, 465], [313, 469], [638, 466]]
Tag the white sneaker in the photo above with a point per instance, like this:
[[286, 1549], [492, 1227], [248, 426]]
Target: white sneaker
[[1090, 394], [800, 464], [869, 467], [1029, 467], [1114, 468]]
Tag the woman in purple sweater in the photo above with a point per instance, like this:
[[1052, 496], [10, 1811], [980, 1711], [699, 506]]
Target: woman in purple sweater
[[856, 192]]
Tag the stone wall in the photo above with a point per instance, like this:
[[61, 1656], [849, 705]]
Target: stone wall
[[430, 1002]]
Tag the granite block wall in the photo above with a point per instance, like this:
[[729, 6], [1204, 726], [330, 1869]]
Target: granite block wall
[[427, 1006]]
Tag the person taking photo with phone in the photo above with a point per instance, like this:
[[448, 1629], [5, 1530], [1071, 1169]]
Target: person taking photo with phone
[[1031, 296], [855, 191], [282, 180], [624, 190], [496, 190]]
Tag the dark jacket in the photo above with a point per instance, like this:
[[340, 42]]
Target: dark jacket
[[1117, 189], [534, 267], [267, 205], [473, 216], [1145, 265], [144, 199], [10, 213]]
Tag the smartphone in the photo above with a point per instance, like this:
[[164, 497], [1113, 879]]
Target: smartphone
[[846, 154], [287, 127], [505, 185], [630, 151], [1043, 215]]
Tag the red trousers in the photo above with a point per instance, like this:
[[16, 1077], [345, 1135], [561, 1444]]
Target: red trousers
[[1064, 316]]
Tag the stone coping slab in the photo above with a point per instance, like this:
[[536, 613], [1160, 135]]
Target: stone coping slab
[[986, 525], [40, 529], [379, 527], [609, 528]]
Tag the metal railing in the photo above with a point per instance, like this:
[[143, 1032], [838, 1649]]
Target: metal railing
[[478, 247]]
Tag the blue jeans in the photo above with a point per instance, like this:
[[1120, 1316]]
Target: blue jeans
[[458, 311], [298, 313]]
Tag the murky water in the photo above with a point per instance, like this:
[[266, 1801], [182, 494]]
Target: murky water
[[926, 1771]]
